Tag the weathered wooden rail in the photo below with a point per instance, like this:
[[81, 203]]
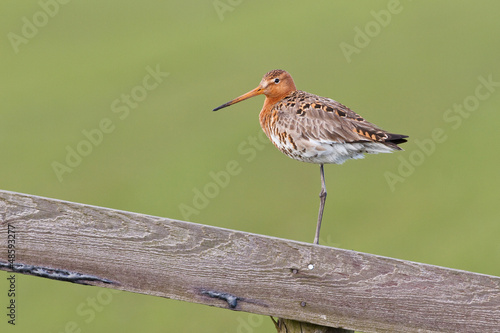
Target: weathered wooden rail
[[242, 271]]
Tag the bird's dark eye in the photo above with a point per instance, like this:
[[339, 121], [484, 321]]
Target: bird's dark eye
[[276, 80]]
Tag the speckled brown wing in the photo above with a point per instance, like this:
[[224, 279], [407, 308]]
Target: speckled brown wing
[[323, 119]]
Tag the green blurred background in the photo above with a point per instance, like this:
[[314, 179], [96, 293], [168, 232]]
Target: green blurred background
[[405, 75]]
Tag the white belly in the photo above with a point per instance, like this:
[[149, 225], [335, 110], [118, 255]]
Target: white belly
[[320, 152]]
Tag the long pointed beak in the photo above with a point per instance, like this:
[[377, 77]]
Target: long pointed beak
[[257, 91]]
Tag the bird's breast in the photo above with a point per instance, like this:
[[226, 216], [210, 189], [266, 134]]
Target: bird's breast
[[283, 135]]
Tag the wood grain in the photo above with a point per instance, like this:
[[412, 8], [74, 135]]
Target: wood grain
[[247, 272]]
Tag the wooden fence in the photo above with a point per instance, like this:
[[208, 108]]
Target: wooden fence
[[241, 271]]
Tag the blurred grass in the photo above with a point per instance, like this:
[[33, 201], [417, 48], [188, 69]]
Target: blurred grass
[[428, 58]]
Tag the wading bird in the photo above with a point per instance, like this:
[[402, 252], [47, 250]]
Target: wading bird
[[315, 129]]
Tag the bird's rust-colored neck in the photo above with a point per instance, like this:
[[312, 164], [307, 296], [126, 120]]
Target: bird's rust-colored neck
[[268, 114], [270, 102]]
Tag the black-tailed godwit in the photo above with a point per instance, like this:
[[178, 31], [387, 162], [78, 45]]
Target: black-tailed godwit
[[315, 129]]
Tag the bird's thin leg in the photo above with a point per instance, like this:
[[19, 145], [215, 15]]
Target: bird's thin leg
[[322, 198]]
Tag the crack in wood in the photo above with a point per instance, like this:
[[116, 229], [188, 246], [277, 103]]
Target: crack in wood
[[231, 300], [53, 273]]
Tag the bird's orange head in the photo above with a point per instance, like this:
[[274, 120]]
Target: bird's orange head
[[275, 85]]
